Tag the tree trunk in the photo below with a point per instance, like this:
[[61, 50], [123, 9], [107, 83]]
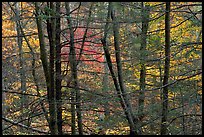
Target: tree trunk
[[52, 92], [118, 85], [105, 90], [43, 55], [85, 33], [4, 106], [145, 17], [21, 32], [166, 71], [21, 61], [183, 113], [58, 70], [75, 94], [73, 119]]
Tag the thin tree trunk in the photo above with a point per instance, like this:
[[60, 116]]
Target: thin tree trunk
[[194, 111], [34, 74], [21, 60], [58, 70], [73, 119], [85, 33], [121, 92], [145, 16], [120, 73], [152, 109], [75, 94], [183, 113], [160, 75], [37, 88], [4, 106], [33, 61], [52, 91], [43, 54], [166, 71], [105, 90]]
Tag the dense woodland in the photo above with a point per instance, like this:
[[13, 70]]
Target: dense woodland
[[104, 68]]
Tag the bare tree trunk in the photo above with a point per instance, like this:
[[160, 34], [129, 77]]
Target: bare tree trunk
[[43, 53], [160, 75], [4, 106], [85, 33], [119, 70], [21, 32], [43, 56], [73, 119], [105, 90], [58, 70], [118, 85], [21, 61], [166, 71], [75, 94], [37, 89], [145, 16], [52, 92], [183, 113]]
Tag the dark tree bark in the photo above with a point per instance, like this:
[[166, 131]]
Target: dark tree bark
[[52, 92], [166, 70], [58, 70], [43, 53]]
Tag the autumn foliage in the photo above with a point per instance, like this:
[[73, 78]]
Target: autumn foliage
[[89, 50]]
